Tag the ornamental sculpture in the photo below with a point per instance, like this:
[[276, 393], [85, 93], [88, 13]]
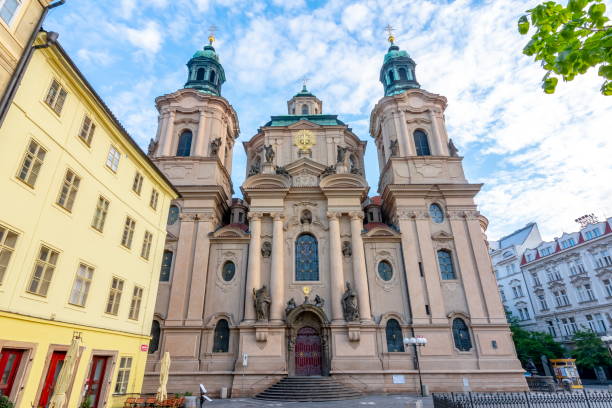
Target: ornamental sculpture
[[349, 304], [290, 306], [329, 170], [152, 147], [269, 153], [319, 301], [394, 147], [255, 167], [214, 146], [346, 249], [281, 171], [262, 300], [452, 149], [266, 249], [341, 155]]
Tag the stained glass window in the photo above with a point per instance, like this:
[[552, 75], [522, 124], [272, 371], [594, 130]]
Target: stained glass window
[[229, 270], [446, 265], [421, 143], [306, 258], [461, 335], [155, 333], [184, 144], [395, 341], [435, 211], [385, 271], [173, 214], [221, 340], [166, 267]]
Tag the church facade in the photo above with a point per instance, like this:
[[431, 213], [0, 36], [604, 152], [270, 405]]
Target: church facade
[[308, 274]]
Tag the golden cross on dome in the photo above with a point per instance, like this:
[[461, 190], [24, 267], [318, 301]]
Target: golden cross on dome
[[211, 36], [389, 31]]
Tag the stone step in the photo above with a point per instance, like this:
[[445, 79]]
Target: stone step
[[304, 389]]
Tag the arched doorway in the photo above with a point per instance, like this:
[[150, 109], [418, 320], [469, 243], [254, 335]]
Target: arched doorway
[[307, 352]]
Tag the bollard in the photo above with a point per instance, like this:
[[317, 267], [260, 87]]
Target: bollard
[[223, 392]]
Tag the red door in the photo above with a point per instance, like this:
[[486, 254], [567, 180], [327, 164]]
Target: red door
[[57, 361], [308, 352], [9, 365], [95, 380]]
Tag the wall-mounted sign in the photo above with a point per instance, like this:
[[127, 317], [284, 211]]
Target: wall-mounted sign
[[399, 379], [144, 347]]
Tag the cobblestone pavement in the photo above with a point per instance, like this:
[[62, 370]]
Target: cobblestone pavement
[[386, 401]]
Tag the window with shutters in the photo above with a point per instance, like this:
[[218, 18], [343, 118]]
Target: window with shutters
[[31, 163], [56, 96], [135, 303], [8, 240], [114, 296], [87, 130], [43, 271], [99, 217]]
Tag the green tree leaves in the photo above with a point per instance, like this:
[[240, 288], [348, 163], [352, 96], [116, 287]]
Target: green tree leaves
[[569, 40], [590, 351], [532, 345]]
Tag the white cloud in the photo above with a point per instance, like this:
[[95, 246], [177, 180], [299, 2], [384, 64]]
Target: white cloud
[[148, 38], [102, 58]]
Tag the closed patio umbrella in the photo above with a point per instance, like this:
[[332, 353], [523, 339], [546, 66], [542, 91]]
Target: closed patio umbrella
[[66, 375], [164, 371]]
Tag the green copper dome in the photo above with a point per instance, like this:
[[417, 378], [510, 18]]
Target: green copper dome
[[395, 52], [397, 72], [304, 92], [206, 73], [207, 52]]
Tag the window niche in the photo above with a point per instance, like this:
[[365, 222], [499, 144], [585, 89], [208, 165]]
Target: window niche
[[461, 335], [184, 144], [421, 143], [393, 333], [221, 337]]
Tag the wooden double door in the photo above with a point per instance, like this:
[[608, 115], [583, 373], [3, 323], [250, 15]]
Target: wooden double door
[[308, 352]]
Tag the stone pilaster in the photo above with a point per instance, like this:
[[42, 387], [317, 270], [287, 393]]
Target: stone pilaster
[[253, 280], [335, 265], [277, 284], [359, 266], [169, 135], [411, 259], [181, 273], [200, 145]]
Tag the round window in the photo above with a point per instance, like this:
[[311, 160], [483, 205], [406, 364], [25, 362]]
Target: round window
[[229, 270], [435, 211], [173, 214], [385, 271]]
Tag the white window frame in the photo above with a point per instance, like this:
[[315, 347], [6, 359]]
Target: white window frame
[[8, 241], [68, 191], [114, 296], [32, 162], [136, 303], [113, 158], [147, 240], [128, 232], [42, 273], [81, 285], [15, 12], [123, 375]]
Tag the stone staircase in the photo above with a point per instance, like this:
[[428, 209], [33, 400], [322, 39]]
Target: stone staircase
[[308, 389]]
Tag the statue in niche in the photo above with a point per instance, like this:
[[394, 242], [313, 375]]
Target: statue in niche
[[214, 146], [318, 301], [281, 171], [152, 147], [452, 149], [394, 147], [262, 300], [329, 170], [356, 170], [290, 306], [266, 249], [346, 249], [349, 304], [306, 217], [341, 155], [306, 300], [255, 167], [269, 153]]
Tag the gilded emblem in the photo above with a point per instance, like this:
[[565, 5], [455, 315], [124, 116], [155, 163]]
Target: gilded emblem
[[304, 139]]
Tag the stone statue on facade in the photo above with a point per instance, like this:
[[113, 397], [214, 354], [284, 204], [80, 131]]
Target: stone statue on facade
[[262, 300], [341, 154], [266, 249], [214, 146], [452, 149], [306, 217], [269, 153], [152, 147], [281, 171], [349, 304], [255, 167], [318, 301], [329, 170], [356, 170], [346, 249], [394, 147], [290, 306]]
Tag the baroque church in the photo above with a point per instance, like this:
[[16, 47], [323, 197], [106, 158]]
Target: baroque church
[[308, 275]]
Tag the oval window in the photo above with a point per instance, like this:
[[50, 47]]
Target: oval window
[[229, 270], [385, 271], [435, 211], [173, 214]]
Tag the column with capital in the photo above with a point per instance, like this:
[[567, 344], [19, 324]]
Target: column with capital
[[200, 146], [277, 281], [359, 266], [253, 279], [335, 265], [169, 135], [205, 225], [182, 268]]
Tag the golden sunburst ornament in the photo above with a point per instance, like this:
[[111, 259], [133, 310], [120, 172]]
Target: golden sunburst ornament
[[306, 290], [304, 139]]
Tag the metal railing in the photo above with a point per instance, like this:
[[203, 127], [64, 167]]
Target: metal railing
[[583, 399]]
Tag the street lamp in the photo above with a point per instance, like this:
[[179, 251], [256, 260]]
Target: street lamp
[[418, 341]]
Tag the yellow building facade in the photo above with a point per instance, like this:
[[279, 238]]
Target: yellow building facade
[[82, 229]]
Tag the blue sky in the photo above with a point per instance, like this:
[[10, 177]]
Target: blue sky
[[543, 158]]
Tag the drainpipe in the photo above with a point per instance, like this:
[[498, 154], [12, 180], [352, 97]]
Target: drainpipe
[[13, 84]]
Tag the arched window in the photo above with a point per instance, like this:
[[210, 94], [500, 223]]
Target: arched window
[[436, 213], [221, 339], [395, 340], [200, 74], [173, 214], [184, 144], [385, 270], [212, 77], [306, 258], [461, 335], [155, 333], [305, 109], [446, 265], [391, 76], [166, 267], [421, 143], [402, 73], [228, 271], [410, 75]]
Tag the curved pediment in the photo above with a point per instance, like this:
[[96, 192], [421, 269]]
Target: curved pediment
[[230, 231], [380, 230], [344, 181], [266, 181], [441, 236]]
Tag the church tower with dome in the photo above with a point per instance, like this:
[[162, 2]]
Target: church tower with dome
[[309, 276]]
